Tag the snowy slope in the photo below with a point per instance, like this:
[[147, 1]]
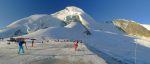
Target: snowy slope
[[146, 26], [115, 46], [29, 25], [72, 31]]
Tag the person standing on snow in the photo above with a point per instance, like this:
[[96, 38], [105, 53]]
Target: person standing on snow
[[76, 45], [20, 43]]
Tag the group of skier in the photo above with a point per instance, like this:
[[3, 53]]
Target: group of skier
[[21, 42]]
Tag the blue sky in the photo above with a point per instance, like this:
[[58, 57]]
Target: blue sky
[[100, 10]]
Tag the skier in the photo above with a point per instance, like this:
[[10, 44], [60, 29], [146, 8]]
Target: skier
[[76, 45], [20, 43]]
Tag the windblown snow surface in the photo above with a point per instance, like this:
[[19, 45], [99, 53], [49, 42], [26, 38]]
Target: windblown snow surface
[[106, 40]]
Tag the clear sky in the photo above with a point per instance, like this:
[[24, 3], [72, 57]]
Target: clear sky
[[100, 10]]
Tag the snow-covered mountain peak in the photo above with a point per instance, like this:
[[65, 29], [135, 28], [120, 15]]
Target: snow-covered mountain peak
[[71, 10], [68, 11]]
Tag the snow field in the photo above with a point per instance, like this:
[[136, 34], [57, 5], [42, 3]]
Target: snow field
[[48, 53]]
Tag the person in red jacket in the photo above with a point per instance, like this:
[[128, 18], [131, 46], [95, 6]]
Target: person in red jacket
[[76, 45]]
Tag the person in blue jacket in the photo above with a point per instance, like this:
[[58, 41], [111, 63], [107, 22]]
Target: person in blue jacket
[[21, 48]]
